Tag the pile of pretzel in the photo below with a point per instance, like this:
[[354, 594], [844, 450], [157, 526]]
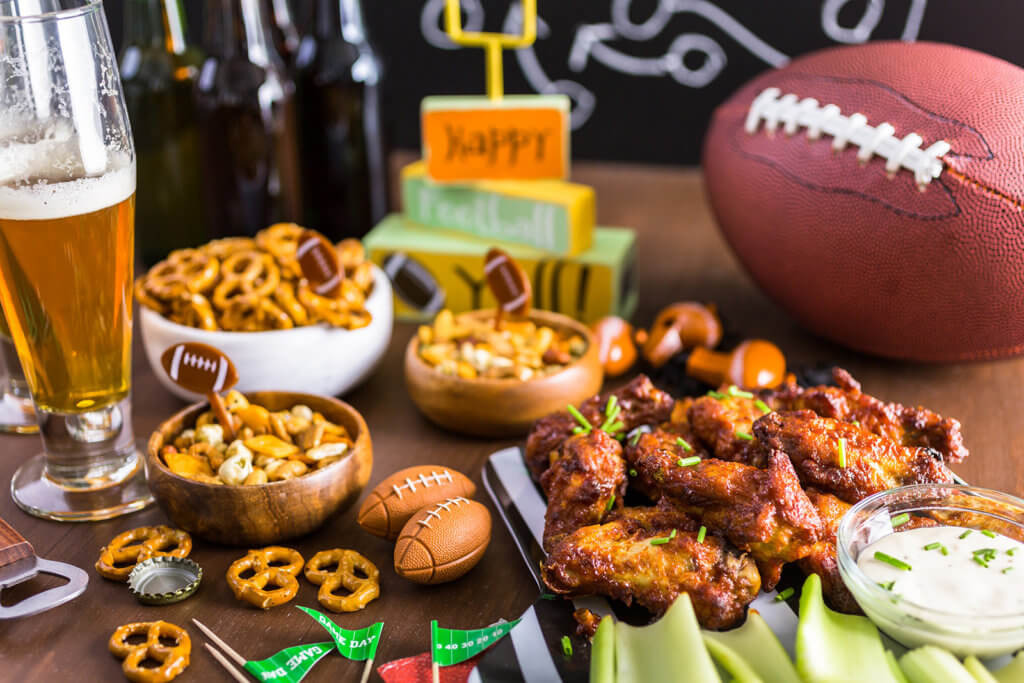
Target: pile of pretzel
[[243, 284]]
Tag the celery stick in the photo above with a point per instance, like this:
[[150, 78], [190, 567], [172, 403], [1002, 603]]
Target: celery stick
[[668, 651], [894, 667], [729, 661], [602, 653], [978, 670], [930, 664], [837, 648], [1012, 672], [756, 647]]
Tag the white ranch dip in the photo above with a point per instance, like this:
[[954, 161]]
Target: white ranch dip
[[951, 569]]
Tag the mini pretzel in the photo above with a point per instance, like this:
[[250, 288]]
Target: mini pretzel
[[266, 571], [282, 240], [194, 310], [185, 270], [119, 557], [246, 273], [254, 314], [284, 295], [362, 590], [332, 311], [173, 659], [227, 246]]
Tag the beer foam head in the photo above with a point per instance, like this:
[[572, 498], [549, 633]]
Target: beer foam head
[[44, 198]]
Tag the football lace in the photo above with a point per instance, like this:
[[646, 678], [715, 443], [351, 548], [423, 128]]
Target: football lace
[[774, 108], [197, 361], [425, 480], [435, 513]]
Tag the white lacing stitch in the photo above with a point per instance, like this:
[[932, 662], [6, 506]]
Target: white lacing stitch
[[772, 107], [426, 480], [435, 513], [197, 361]]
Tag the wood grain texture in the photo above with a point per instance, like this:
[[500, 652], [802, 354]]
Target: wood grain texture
[[680, 257], [272, 513], [12, 546], [503, 407]]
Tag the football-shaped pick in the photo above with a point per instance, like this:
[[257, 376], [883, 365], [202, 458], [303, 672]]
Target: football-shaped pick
[[876, 192], [390, 505], [442, 542], [199, 368]]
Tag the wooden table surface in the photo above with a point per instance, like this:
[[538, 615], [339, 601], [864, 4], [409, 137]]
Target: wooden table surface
[[680, 255]]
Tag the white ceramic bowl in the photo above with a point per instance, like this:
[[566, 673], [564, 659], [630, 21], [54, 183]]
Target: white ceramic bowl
[[317, 359]]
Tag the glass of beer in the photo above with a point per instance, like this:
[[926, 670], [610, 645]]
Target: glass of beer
[[67, 194], [17, 414]]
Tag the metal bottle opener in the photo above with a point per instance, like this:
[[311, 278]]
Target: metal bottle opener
[[18, 562]]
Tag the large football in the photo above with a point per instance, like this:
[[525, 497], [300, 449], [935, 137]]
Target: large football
[[876, 192], [442, 542], [393, 501]]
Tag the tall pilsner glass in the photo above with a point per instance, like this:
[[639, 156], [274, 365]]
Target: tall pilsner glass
[[67, 196]]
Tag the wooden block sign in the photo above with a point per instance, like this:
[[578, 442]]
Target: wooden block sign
[[519, 137]]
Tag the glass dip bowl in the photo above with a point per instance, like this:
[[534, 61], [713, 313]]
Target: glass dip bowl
[[911, 624]]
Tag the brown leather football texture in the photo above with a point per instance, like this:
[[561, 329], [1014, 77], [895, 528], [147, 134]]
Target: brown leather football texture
[[200, 368], [875, 192], [393, 501], [442, 542]]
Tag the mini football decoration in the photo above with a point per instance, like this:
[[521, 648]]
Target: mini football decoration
[[319, 263], [508, 282], [393, 501], [442, 542], [199, 368], [875, 192]]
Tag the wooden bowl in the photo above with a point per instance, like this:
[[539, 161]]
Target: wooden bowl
[[266, 514], [502, 407]]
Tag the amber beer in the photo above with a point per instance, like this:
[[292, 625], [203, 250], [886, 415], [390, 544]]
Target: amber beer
[[66, 286]]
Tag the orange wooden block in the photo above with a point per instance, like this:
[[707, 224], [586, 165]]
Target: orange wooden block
[[521, 137]]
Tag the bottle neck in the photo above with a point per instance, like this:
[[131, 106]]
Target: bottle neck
[[236, 28], [155, 23]]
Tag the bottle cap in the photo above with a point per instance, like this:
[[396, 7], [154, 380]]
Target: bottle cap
[[164, 579]]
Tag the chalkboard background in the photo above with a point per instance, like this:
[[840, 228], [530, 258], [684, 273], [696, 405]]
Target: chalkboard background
[[644, 75]]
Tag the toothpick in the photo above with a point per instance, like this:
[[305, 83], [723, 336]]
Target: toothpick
[[235, 673], [437, 673], [239, 659], [223, 415], [367, 670]]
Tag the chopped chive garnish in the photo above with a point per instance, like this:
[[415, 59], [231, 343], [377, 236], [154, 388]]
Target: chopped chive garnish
[[1006, 569], [901, 519], [944, 550], [548, 596], [566, 646], [1011, 551], [672, 535], [613, 403], [578, 430], [611, 502], [659, 541], [986, 555], [682, 443], [856, 422], [965, 534], [980, 561], [578, 416], [888, 585], [784, 595], [931, 546], [632, 472], [611, 413], [739, 393], [990, 534], [744, 436], [613, 427], [762, 406], [701, 534], [688, 462], [894, 561], [635, 438], [842, 454], [716, 394]]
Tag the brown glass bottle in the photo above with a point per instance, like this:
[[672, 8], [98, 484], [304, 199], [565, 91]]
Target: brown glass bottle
[[247, 122], [342, 146], [285, 30], [158, 72]]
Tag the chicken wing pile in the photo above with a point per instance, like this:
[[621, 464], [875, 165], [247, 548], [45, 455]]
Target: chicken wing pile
[[733, 486]]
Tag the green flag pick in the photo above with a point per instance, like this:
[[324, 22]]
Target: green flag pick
[[359, 645], [450, 646], [290, 664]]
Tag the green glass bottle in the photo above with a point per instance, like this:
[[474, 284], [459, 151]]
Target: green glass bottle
[[158, 72]]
